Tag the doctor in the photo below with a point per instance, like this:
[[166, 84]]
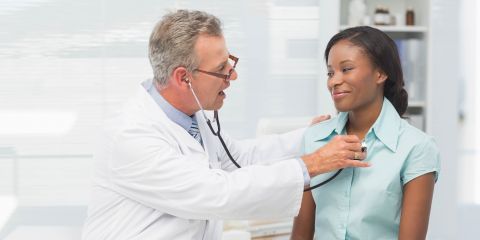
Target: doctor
[[160, 173]]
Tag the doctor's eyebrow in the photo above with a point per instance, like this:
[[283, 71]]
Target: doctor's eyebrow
[[222, 64]]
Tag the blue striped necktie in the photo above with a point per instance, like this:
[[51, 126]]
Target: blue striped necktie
[[195, 132]]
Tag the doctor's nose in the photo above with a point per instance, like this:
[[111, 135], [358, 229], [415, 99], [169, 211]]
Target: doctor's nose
[[233, 75]]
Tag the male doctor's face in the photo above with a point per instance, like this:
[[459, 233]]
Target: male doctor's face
[[212, 56]]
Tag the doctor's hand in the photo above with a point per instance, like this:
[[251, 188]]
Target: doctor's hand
[[320, 118], [341, 152]]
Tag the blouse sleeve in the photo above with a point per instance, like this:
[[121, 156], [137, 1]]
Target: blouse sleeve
[[424, 158]]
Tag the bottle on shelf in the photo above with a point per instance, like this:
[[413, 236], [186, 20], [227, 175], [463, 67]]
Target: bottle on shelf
[[382, 16], [357, 12], [410, 17]]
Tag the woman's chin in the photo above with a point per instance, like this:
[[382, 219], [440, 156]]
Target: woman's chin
[[342, 108]]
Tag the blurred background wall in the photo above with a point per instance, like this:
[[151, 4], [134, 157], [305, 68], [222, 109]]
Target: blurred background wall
[[65, 63]]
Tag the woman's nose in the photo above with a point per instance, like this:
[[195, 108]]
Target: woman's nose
[[334, 80]]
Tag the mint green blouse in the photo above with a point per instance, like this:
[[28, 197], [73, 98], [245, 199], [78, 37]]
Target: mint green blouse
[[365, 203]]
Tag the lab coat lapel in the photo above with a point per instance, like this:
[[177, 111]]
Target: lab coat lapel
[[184, 138], [210, 142], [163, 122]]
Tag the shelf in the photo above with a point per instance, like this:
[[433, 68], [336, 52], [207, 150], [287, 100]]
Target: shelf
[[416, 104], [399, 29], [412, 43]]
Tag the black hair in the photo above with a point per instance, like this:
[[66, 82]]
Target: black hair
[[382, 52]]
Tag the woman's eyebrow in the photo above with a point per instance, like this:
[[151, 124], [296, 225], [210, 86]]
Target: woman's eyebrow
[[342, 62], [346, 61]]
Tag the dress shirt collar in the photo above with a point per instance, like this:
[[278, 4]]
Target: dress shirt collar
[[172, 113], [385, 128]]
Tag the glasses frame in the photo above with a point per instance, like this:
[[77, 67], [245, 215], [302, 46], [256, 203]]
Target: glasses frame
[[225, 77]]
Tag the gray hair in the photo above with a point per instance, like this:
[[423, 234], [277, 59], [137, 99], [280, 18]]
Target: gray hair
[[173, 39]]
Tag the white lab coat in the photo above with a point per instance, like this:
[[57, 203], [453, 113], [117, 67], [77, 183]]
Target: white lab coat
[[152, 180]]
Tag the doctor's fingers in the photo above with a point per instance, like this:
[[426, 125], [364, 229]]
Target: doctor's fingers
[[339, 144], [353, 147], [354, 163], [349, 155], [357, 155], [320, 118], [346, 138], [340, 164]]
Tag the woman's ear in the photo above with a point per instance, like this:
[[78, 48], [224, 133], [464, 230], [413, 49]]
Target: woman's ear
[[381, 77]]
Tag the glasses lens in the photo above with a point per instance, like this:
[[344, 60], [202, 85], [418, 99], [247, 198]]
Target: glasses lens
[[231, 62], [232, 66]]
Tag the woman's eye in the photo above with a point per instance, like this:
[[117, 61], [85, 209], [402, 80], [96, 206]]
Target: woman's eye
[[330, 74], [346, 69]]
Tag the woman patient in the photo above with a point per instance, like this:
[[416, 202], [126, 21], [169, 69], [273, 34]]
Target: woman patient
[[392, 198]]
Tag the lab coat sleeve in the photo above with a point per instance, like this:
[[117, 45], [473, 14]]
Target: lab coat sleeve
[[264, 150], [152, 171]]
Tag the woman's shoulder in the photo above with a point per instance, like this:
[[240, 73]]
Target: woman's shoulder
[[321, 130], [415, 137], [422, 153]]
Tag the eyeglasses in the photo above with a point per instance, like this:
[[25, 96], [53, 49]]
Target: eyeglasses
[[232, 60]]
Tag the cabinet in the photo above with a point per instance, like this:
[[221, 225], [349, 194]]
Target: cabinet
[[412, 43]]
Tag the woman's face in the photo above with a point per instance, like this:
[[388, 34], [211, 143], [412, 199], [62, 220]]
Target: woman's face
[[353, 81]]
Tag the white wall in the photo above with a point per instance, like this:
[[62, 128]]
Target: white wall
[[443, 112], [469, 144], [64, 63], [78, 58]]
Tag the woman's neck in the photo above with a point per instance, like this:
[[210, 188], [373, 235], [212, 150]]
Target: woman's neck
[[361, 120]]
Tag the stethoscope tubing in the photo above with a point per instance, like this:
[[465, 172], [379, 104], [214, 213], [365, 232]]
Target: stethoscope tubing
[[215, 115], [238, 165]]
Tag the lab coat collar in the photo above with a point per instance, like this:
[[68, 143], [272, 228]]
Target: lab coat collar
[[174, 114], [158, 117]]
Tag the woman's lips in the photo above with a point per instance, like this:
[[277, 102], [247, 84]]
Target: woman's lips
[[337, 95]]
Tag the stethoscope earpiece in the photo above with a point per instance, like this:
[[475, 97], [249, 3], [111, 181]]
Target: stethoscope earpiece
[[188, 82]]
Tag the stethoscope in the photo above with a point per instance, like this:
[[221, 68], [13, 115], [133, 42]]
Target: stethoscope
[[363, 149], [217, 133], [209, 123]]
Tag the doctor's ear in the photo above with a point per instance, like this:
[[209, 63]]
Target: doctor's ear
[[187, 81], [180, 75]]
